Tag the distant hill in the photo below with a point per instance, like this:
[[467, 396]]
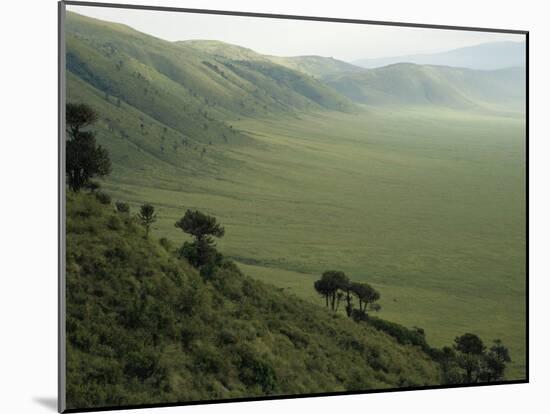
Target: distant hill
[[411, 84], [486, 56], [317, 66], [181, 79], [170, 106]]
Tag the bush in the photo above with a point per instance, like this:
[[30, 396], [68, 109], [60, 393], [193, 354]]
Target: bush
[[122, 207], [201, 255], [402, 334], [114, 223], [103, 198], [255, 371], [140, 364], [166, 244]]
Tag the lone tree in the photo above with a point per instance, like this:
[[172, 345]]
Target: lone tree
[[367, 296], [147, 216], [84, 158], [331, 282], [203, 228]]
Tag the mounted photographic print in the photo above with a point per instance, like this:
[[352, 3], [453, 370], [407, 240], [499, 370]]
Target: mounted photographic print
[[263, 206]]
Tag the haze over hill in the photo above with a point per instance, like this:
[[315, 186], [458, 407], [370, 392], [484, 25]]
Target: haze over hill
[[485, 56], [407, 83]]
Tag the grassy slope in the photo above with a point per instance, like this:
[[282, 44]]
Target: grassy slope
[[178, 82], [460, 88], [433, 217], [424, 202], [143, 327]]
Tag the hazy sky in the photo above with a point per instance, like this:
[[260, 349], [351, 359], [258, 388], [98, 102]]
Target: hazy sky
[[280, 37]]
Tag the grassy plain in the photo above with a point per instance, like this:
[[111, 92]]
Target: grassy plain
[[425, 203]]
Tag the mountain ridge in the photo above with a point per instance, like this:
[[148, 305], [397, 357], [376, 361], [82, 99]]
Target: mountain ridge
[[483, 56]]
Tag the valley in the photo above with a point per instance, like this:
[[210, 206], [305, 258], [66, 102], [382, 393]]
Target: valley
[[312, 165]]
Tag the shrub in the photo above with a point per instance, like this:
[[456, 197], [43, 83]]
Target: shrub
[[140, 364], [122, 207], [166, 244], [103, 198], [114, 223]]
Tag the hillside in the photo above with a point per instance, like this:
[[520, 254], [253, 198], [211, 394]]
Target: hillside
[[486, 56], [317, 66], [456, 88], [183, 85], [144, 327]]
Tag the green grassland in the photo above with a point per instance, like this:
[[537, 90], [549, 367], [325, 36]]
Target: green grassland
[[423, 198], [434, 223], [143, 328]]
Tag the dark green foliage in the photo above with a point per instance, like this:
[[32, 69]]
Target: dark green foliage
[[335, 287], [200, 225], [103, 198], [147, 216], [331, 282], [144, 327], [469, 344], [402, 334], [201, 252], [254, 371], [366, 295], [79, 116], [84, 158], [122, 207], [92, 186], [495, 362], [477, 364]]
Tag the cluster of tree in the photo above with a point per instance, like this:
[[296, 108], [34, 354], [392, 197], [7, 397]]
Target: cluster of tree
[[85, 159], [336, 287], [469, 361]]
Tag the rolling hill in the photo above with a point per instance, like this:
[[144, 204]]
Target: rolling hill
[[178, 82], [411, 84], [486, 56], [317, 66]]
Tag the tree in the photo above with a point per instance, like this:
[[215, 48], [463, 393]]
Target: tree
[[495, 362], [469, 344], [367, 296], [79, 116], [322, 286], [84, 158], [203, 228], [470, 358], [329, 285], [147, 216]]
